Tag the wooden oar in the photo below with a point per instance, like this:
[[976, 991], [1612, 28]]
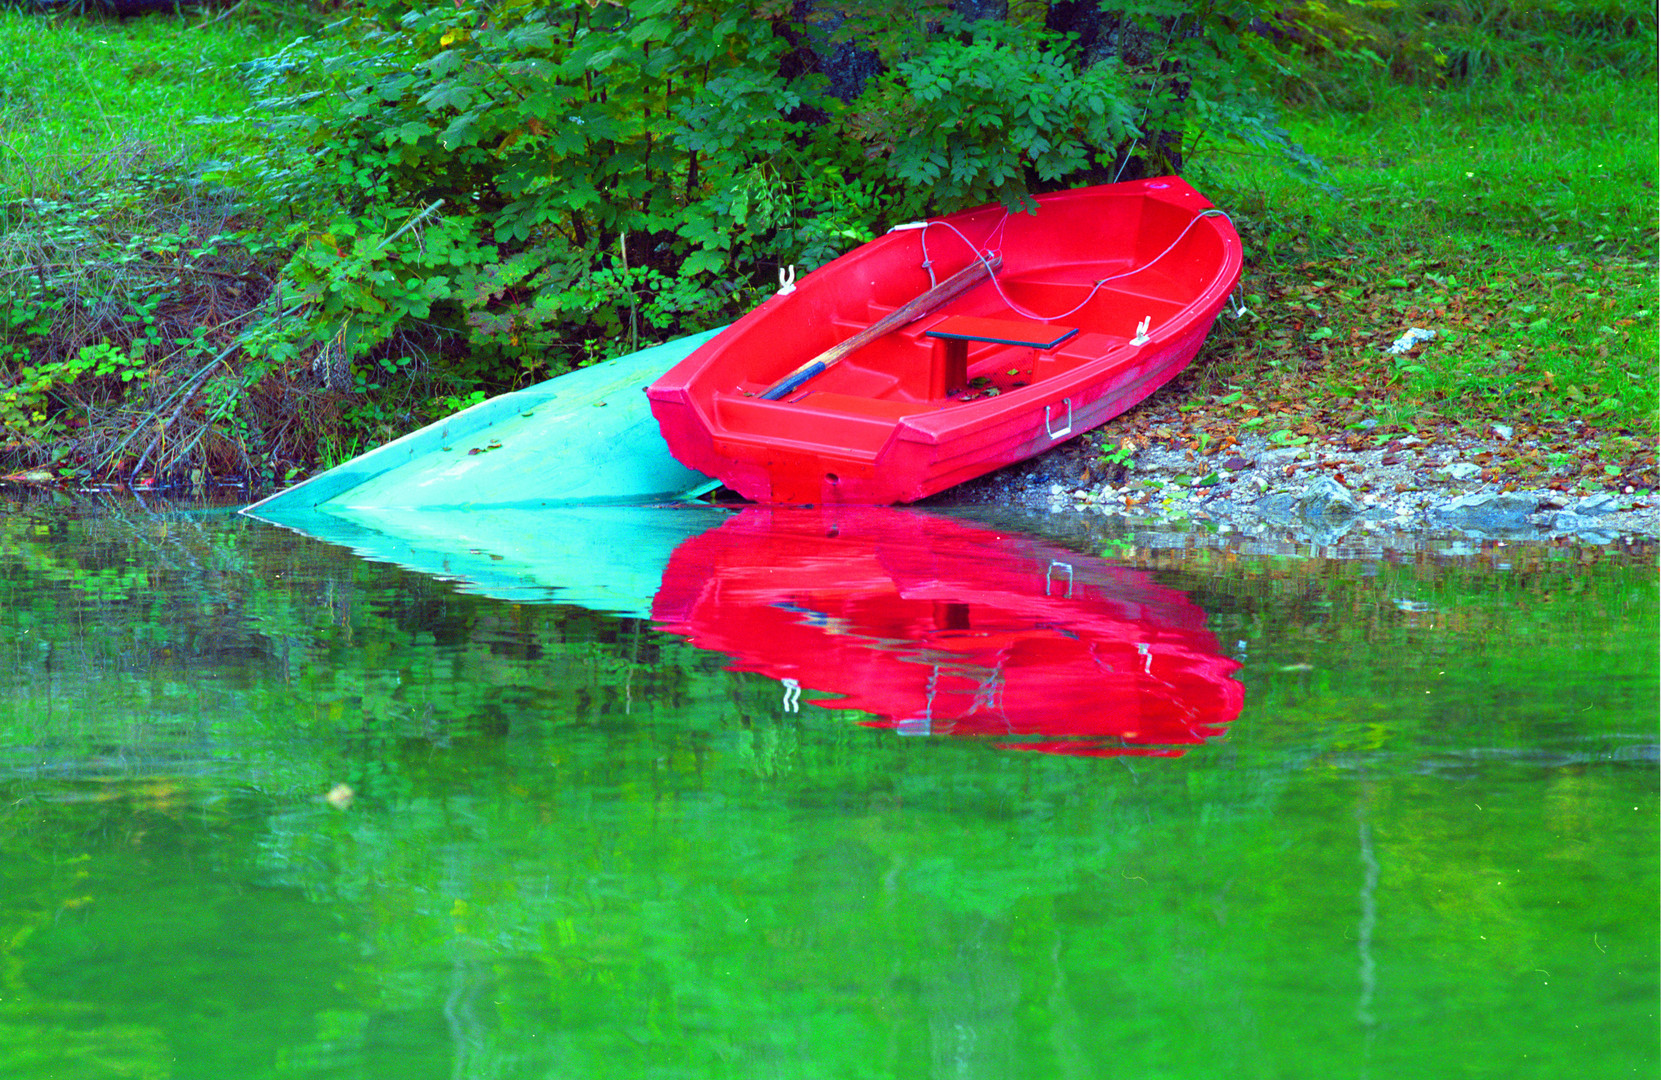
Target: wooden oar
[[912, 310]]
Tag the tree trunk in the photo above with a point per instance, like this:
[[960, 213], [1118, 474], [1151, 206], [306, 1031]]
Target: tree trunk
[[1103, 35], [813, 26]]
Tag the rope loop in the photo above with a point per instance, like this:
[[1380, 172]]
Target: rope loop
[[986, 255]]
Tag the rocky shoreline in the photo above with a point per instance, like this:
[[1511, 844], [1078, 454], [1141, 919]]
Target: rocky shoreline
[[1318, 492]]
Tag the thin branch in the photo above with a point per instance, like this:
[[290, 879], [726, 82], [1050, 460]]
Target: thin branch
[[227, 13]]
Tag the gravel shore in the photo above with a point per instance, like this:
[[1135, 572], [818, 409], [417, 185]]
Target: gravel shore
[[1317, 492]]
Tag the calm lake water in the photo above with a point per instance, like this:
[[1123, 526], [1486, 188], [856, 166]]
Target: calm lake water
[[882, 794]]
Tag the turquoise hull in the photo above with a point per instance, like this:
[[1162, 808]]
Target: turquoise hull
[[581, 439]]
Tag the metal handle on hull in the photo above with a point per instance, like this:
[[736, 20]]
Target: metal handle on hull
[[1067, 428]]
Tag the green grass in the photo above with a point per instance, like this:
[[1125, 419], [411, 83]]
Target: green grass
[[1516, 217], [87, 99]]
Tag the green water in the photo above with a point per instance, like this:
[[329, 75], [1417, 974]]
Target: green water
[[577, 846]]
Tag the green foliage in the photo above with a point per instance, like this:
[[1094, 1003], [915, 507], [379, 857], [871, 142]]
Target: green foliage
[[1442, 43], [107, 298], [990, 119], [1119, 455], [630, 171], [551, 136], [361, 285], [666, 137], [457, 199]]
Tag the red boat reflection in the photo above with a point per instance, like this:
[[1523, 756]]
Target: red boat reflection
[[936, 626]]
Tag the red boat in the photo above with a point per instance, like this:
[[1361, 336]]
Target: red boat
[[950, 348], [942, 627]]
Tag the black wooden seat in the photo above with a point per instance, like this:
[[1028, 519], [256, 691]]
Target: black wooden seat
[[950, 371]]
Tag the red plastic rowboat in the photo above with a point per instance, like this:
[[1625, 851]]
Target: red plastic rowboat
[[947, 349]]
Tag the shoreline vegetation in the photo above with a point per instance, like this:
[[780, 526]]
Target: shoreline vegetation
[[250, 243]]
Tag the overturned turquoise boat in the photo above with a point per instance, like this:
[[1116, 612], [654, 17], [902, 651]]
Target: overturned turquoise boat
[[585, 438], [563, 492]]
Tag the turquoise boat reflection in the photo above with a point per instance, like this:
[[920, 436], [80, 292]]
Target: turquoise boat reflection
[[608, 559], [936, 626]]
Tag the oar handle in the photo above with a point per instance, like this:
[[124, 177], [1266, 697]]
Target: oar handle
[[790, 382]]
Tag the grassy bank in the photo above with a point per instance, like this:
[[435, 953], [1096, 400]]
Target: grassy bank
[[1490, 176], [1515, 218], [84, 102], [126, 276]]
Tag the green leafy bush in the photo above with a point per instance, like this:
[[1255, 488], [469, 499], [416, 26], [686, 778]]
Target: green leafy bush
[[992, 118], [629, 171]]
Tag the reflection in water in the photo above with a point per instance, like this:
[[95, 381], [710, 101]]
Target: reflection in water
[[579, 847], [604, 558], [940, 627]]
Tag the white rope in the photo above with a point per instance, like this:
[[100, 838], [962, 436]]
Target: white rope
[[985, 256], [1147, 105]]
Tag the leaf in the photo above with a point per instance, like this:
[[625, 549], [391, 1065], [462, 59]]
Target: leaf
[[463, 131], [449, 95], [412, 132], [704, 262]]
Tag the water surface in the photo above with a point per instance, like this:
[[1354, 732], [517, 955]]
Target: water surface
[[272, 809]]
